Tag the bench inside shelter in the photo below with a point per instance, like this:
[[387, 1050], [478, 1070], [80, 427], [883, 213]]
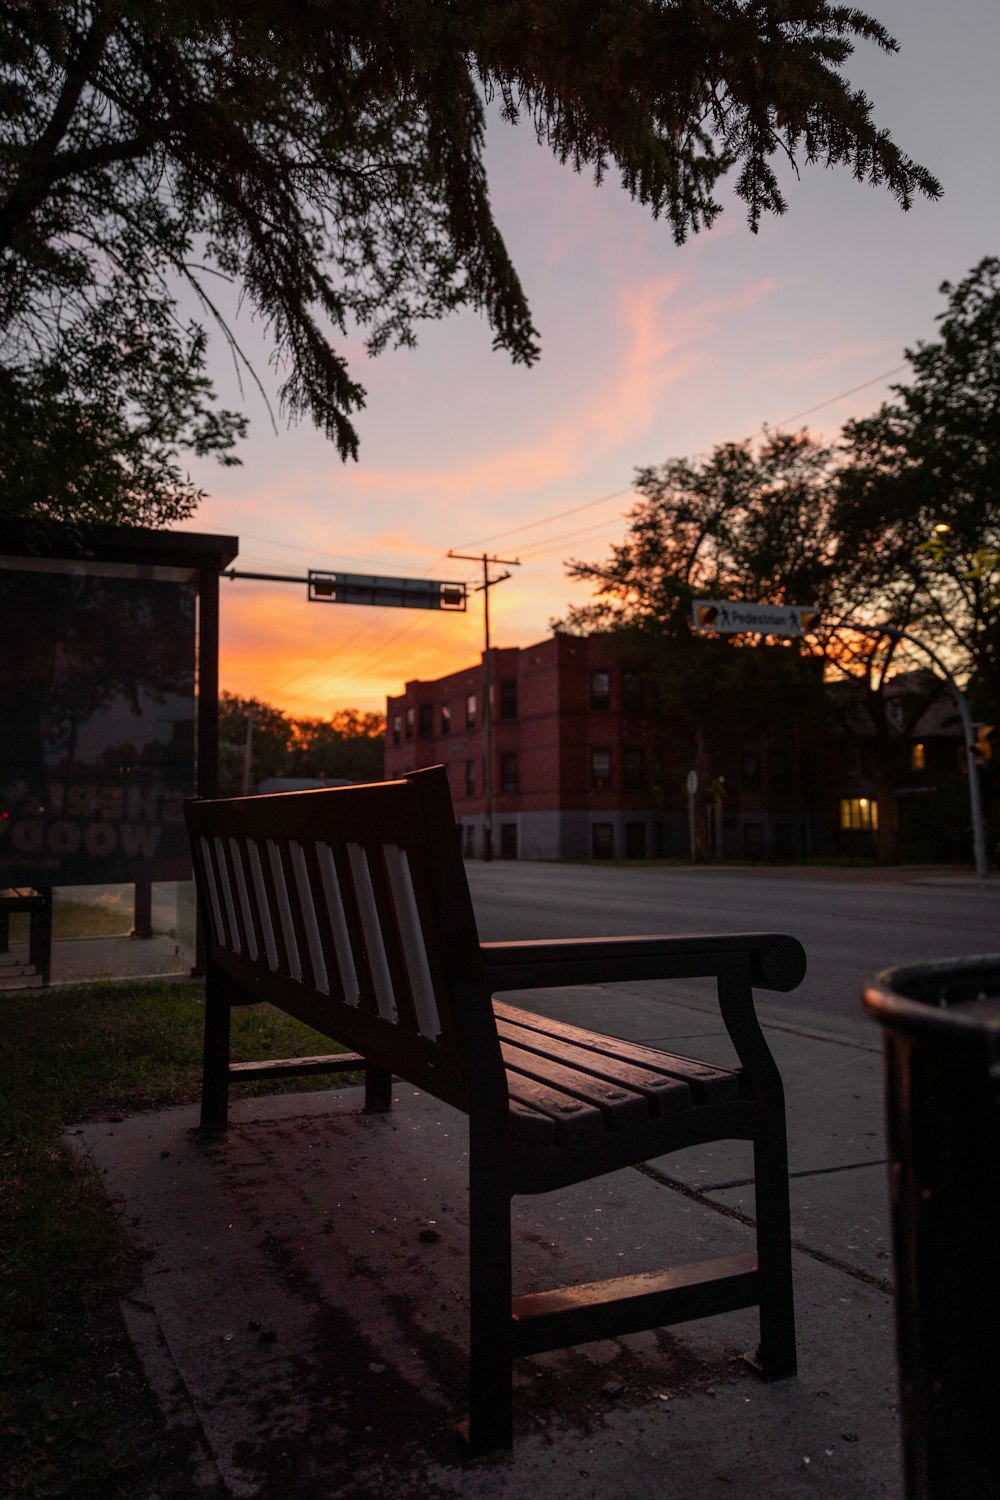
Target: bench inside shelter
[[350, 910], [37, 904]]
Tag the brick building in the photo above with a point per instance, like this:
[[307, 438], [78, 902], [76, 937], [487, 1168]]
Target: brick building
[[585, 766]]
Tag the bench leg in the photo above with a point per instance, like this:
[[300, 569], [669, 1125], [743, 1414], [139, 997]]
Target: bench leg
[[491, 1363], [378, 1091], [215, 1056], [775, 1357]]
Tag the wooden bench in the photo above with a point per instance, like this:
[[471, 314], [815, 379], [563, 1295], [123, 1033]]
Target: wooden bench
[[350, 910], [38, 905]]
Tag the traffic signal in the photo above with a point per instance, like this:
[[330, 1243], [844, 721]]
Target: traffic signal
[[982, 747]]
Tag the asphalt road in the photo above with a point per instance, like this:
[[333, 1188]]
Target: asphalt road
[[851, 924]]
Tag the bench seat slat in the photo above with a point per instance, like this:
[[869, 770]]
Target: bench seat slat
[[663, 1094], [708, 1085], [618, 1106], [566, 1118]]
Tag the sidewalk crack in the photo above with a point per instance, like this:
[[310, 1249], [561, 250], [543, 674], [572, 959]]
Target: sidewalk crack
[[877, 1283]]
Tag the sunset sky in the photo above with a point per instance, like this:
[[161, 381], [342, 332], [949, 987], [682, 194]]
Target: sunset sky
[[648, 352]]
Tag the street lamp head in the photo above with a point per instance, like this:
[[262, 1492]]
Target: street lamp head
[[941, 528]]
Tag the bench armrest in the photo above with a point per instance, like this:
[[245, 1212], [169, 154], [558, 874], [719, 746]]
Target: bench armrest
[[776, 962]]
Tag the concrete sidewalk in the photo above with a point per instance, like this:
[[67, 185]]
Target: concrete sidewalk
[[303, 1311]]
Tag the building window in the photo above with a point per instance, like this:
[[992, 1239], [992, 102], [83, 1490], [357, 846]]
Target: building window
[[397, 728], [508, 840], [781, 772], [470, 710], [445, 718], [632, 692], [469, 840], [600, 689], [858, 812], [750, 771], [425, 722], [657, 770], [633, 770], [602, 839], [470, 778], [508, 698], [753, 841], [410, 720], [918, 757], [635, 841], [508, 772], [600, 770]]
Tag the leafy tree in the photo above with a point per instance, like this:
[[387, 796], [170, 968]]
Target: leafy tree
[[328, 158], [349, 744], [919, 502], [269, 732], [758, 523], [745, 523]]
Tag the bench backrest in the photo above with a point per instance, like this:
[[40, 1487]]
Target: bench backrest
[[350, 909]]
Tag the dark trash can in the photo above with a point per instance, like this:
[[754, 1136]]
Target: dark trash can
[[941, 1029]]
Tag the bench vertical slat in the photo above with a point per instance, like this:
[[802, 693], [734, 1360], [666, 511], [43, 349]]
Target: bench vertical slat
[[226, 888], [411, 937], [314, 944], [340, 933], [263, 905], [287, 925], [393, 940], [237, 853], [378, 963], [219, 931]]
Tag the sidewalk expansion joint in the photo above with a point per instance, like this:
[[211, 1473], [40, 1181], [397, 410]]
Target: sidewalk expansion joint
[[695, 1195], [739, 1182]]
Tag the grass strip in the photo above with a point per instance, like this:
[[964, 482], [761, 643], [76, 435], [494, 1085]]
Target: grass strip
[[76, 1419], [75, 919]]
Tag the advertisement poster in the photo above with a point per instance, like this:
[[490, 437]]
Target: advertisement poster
[[98, 714]]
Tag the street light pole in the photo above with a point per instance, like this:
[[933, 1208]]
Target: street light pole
[[484, 587]]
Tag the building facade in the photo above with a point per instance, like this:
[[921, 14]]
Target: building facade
[[585, 766]]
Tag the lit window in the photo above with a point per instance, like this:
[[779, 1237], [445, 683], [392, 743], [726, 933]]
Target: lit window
[[470, 710], [858, 812], [445, 718], [918, 757]]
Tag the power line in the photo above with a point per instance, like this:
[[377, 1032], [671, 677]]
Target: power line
[[568, 536], [831, 399], [529, 525]]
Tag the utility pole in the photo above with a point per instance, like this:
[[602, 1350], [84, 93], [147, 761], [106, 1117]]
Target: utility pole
[[247, 762], [484, 588]]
